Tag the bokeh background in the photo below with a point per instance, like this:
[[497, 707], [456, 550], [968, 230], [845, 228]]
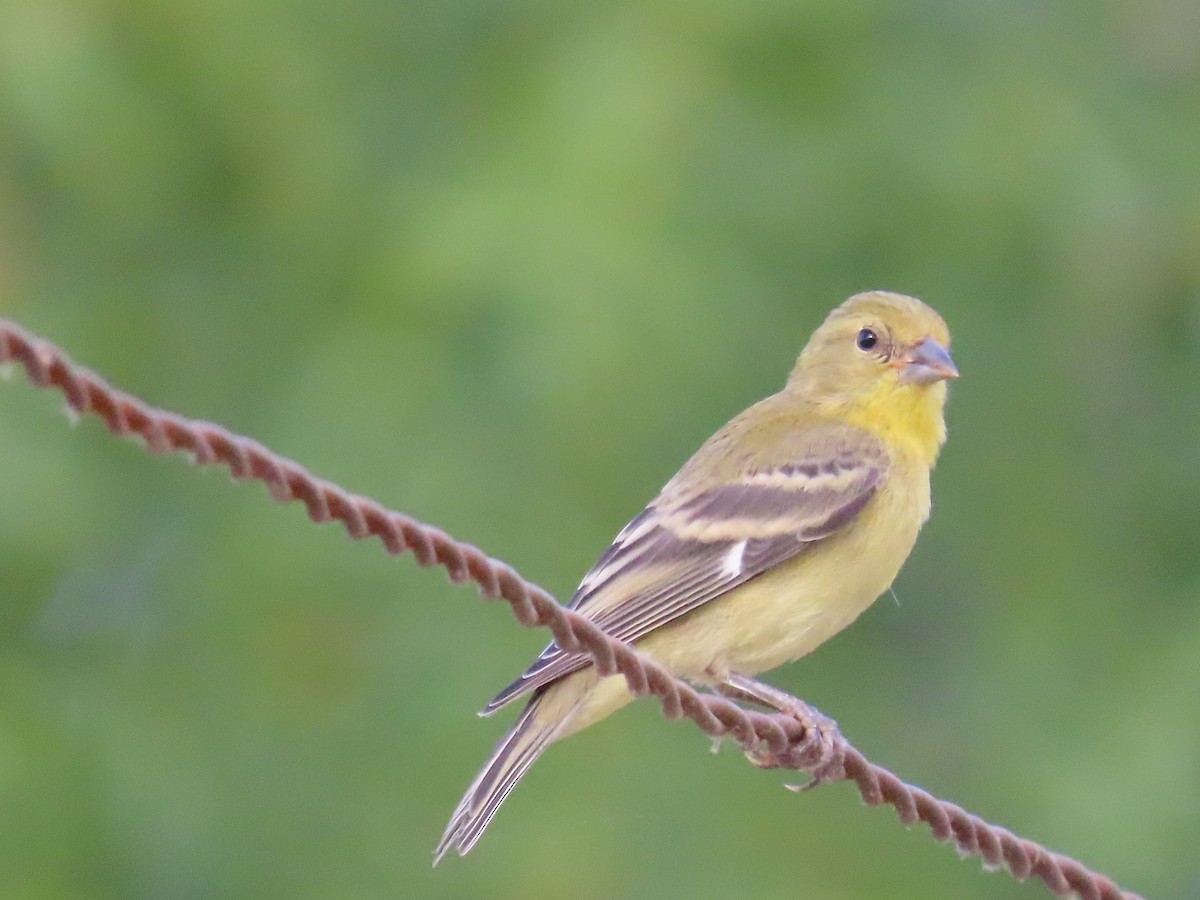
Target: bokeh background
[[504, 265]]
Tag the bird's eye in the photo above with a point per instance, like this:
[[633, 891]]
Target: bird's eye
[[866, 340]]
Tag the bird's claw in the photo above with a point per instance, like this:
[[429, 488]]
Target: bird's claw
[[820, 751]]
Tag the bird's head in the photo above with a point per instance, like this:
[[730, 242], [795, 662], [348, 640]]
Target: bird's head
[[881, 361]]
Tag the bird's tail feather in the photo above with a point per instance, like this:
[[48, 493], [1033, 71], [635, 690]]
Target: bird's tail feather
[[524, 742]]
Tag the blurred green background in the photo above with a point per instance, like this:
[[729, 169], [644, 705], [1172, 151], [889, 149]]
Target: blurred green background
[[504, 265]]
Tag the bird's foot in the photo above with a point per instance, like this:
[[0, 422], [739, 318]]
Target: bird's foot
[[818, 750]]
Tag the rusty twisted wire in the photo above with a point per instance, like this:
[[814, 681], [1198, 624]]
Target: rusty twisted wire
[[791, 740]]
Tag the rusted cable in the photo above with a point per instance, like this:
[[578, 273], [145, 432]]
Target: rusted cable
[[788, 741]]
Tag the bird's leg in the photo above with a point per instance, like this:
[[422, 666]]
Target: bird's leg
[[820, 752], [751, 690]]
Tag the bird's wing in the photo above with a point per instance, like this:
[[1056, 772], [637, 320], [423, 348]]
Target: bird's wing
[[687, 548]]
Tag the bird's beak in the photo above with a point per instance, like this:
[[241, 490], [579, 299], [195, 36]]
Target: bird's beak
[[927, 363]]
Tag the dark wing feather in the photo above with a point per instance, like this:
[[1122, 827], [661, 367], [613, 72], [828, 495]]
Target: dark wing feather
[[686, 549]]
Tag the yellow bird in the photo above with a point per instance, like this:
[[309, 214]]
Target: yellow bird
[[776, 535]]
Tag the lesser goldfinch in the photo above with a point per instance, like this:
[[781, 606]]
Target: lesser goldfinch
[[782, 528]]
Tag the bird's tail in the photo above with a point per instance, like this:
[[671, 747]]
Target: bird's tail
[[525, 741]]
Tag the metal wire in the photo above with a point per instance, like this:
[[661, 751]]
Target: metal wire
[[796, 740]]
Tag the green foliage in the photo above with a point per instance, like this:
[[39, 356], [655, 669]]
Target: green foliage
[[504, 266]]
